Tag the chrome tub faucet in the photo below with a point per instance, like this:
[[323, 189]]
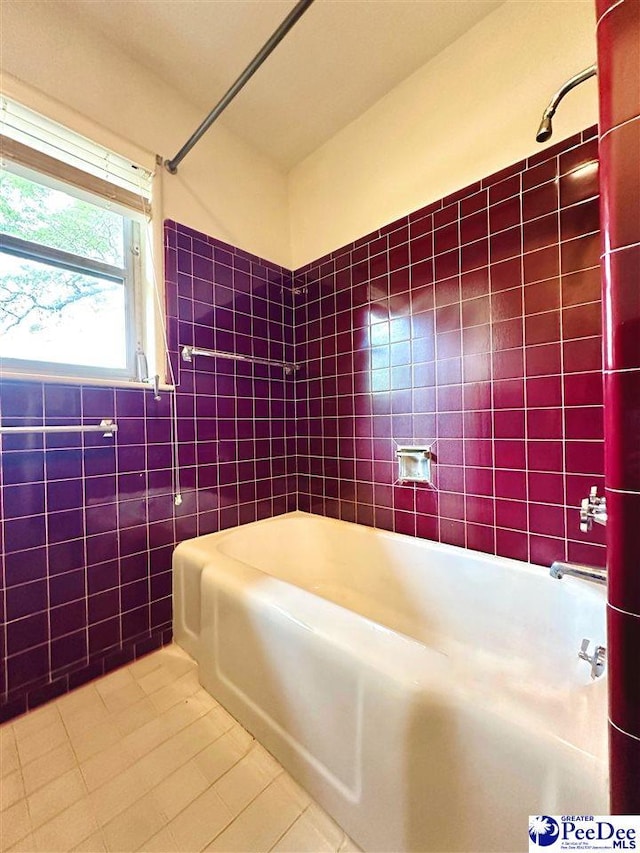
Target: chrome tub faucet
[[589, 573], [592, 508]]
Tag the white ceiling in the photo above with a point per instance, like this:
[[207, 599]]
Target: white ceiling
[[338, 60]]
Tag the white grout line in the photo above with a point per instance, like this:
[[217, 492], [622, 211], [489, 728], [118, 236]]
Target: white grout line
[[618, 126], [626, 612], [622, 731]]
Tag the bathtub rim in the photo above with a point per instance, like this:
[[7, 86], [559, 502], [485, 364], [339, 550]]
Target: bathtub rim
[[585, 586]]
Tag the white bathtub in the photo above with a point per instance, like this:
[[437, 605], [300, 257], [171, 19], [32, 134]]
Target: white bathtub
[[429, 697]]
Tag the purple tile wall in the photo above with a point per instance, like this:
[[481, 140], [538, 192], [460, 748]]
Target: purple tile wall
[[89, 524], [472, 325]]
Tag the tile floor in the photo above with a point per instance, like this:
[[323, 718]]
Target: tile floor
[[145, 759]]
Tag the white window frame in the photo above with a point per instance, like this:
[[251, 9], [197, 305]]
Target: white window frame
[[130, 275], [53, 154]]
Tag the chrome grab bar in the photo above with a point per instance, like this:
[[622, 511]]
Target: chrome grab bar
[[106, 426], [188, 353], [578, 570]]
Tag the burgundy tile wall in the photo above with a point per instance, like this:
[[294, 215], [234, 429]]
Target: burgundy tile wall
[[474, 326], [89, 524], [619, 89]]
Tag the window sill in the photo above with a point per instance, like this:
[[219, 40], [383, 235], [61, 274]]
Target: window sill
[[14, 376]]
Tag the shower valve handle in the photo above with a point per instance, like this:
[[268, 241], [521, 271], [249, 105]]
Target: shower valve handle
[[592, 508]]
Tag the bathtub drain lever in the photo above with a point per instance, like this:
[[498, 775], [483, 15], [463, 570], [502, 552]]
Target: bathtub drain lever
[[596, 660]]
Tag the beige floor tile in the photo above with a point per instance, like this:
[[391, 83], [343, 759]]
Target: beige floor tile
[[93, 844], [81, 707], [114, 681], [179, 789], [105, 765], [176, 751], [123, 697], [220, 757], [166, 768], [206, 699], [241, 736], [294, 791], [185, 712], [303, 837], [133, 718], [14, 824], [56, 796], [118, 794], [161, 728], [147, 737], [161, 762], [133, 826], [173, 650], [36, 720], [327, 827], [8, 750], [260, 825], [217, 720], [244, 781], [265, 761], [49, 766], [145, 665], [25, 845], [161, 842], [177, 661], [92, 739], [154, 680], [174, 692], [37, 743], [67, 829], [349, 846], [11, 789], [200, 822]]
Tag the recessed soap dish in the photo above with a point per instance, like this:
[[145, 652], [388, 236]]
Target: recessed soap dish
[[414, 464]]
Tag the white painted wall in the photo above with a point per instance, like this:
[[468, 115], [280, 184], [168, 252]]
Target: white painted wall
[[53, 64], [469, 112]]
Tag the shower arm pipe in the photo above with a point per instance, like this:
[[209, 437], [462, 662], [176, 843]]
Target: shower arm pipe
[[544, 131], [292, 18]]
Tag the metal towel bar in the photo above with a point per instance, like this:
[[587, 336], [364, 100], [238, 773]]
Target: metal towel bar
[[189, 352], [106, 427]]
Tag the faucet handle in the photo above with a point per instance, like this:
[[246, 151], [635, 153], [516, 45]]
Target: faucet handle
[[597, 659], [592, 508]]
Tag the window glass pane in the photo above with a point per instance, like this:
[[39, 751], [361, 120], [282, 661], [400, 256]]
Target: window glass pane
[[58, 220], [61, 316]]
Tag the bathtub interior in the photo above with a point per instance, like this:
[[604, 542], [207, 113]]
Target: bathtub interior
[[511, 616]]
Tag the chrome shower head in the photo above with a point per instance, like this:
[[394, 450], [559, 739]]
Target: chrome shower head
[[545, 130]]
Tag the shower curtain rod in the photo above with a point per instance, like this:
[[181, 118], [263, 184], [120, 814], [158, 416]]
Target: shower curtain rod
[[294, 15]]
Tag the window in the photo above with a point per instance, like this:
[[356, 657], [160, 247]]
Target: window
[[70, 253]]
